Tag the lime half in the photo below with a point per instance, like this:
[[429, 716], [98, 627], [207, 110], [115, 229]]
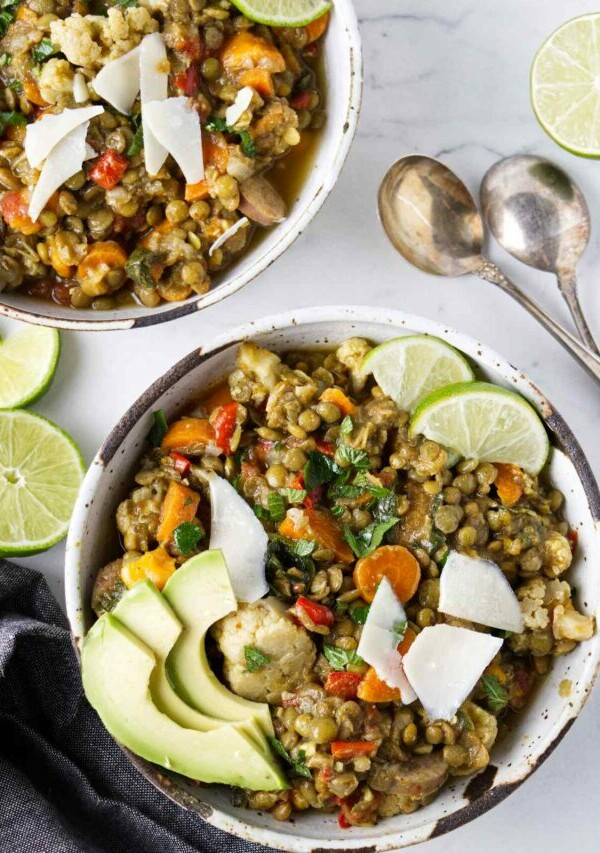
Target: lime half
[[565, 86], [28, 359], [485, 422], [283, 13], [408, 369], [41, 470]]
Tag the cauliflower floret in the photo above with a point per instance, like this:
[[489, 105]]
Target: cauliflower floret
[[261, 364], [264, 626], [486, 725], [351, 354], [556, 554], [557, 592], [93, 40], [531, 599], [56, 81], [569, 624]]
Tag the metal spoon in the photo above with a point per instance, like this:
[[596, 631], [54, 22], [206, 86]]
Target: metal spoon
[[432, 220], [536, 212]]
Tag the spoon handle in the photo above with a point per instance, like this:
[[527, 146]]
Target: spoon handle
[[588, 360], [567, 283]]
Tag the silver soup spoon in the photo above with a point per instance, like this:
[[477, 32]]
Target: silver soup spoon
[[539, 215], [432, 220]]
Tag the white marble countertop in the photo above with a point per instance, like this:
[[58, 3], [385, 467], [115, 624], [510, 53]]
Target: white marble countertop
[[451, 80]]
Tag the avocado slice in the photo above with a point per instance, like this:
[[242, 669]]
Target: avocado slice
[[116, 672], [200, 593], [146, 613]]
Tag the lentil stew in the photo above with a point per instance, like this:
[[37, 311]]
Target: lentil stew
[[325, 460]]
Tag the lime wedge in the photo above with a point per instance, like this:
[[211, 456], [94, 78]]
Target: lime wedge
[[565, 86], [28, 360], [485, 422], [283, 13], [408, 369], [41, 470]]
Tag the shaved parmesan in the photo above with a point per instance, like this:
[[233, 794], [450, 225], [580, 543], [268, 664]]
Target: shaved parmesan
[[41, 136], [154, 83], [239, 106], [177, 127], [444, 664], [229, 233], [241, 537], [119, 81], [64, 161], [381, 634], [476, 589], [80, 89]]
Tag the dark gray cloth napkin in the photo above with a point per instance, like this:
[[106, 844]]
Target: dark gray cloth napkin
[[65, 787]]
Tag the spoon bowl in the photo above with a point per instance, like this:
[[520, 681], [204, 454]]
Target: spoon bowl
[[430, 217], [539, 215]]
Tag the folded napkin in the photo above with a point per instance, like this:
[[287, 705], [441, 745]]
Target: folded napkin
[[65, 787]]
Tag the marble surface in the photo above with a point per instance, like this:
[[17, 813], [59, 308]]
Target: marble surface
[[448, 79]]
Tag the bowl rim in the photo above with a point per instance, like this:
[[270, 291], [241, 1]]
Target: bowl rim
[[485, 794], [345, 17]]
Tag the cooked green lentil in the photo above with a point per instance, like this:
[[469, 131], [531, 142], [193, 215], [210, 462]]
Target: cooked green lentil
[[278, 428], [113, 208]]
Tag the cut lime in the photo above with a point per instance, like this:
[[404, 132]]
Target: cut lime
[[28, 359], [485, 422], [408, 369], [565, 86], [41, 470], [283, 13]]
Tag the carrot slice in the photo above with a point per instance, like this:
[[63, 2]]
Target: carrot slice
[[407, 640], [106, 254], [196, 192], [189, 435], [246, 50], [220, 396], [396, 563], [180, 505], [317, 28], [509, 483], [157, 566], [338, 398], [346, 750], [374, 689], [259, 79], [320, 526]]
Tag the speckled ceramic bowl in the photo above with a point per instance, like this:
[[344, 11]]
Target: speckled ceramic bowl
[[343, 90], [91, 543]]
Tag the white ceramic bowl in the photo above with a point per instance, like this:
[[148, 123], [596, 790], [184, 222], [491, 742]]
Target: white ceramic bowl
[[343, 90], [91, 543]]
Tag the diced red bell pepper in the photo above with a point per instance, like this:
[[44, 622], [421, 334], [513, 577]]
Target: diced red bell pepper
[[343, 684], [301, 101], [324, 447], [346, 750], [108, 169], [224, 422], [190, 48], [310, 51], [573, 537], [188, 81], [343, 821], [181, 463], [317, 613]]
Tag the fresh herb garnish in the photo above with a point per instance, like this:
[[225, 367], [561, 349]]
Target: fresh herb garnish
[[341, 658], [319, 469], [369, 538], [359, 614], [345, 491], [497, 697], [11, 118], [126, 4], [261, 512], [384, 509], [44, 50], [467, 722], [346, 426], [297, 764], [217, 124], [293, 496], [353, 456], [7, 16], [338, 511], [159, 429], [289, 567], [137, 143], [399, 629], [276, 506], [247, 144], [186, 537], [5, 59], [16, 86], [341, 607], [372, 485], [255, 659], [139, 267]]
